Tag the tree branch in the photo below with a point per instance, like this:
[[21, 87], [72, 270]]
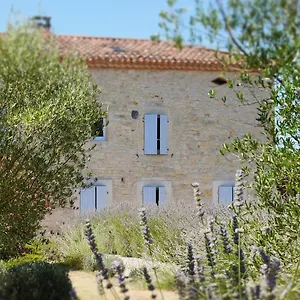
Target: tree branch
[[229, 29]]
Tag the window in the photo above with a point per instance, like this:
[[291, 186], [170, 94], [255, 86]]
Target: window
[[225, 194], [99, 130], [156, 134], [93, 198], [155, 195]]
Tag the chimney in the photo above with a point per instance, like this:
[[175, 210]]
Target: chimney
[[43, 22]]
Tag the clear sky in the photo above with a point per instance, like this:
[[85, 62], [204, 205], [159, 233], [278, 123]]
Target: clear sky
[[109, 18], [114, 18]]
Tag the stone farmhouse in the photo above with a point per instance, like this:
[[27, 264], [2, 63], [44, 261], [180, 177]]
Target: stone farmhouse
[[164, 130]]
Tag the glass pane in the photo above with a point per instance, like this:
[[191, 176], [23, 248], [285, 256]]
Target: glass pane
[[97, 128]]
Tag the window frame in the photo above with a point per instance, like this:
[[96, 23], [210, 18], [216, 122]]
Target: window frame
[[104, 137]]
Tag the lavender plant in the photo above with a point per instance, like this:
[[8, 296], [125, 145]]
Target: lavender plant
[[102, 274]]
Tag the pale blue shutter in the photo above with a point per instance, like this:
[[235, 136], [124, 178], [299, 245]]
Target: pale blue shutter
[[87, 199], [162, 195], [149, 195], [225, 195], [101, 196], [163, 134], [150, 134]]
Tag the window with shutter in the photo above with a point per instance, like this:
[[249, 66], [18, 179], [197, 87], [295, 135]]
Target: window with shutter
[[101, 195], [226, 194], [93, 198], [87, 199], [155, 195], [156, 134]]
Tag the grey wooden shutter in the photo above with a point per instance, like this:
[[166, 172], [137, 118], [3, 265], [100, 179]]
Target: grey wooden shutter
[[163, 134], [101, 197], [87, 199], [162, 195], [225, 195], [150, 134], [149, 195]]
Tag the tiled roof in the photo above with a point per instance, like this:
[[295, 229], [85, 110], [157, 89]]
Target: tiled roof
[[124, 53]]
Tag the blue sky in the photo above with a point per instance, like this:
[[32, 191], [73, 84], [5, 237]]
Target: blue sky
[[110, 18], [115, 18]]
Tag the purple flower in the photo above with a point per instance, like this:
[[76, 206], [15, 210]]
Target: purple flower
[[145, 228], [225, 241]]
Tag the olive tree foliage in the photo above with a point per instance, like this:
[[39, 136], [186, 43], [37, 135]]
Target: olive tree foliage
[[48, 105], [263, 37]]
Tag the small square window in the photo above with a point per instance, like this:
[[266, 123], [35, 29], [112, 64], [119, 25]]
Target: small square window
[[226, 194], [99, 130], [93, 198]]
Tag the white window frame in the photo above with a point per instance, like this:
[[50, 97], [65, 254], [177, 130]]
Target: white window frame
[[104, 137]]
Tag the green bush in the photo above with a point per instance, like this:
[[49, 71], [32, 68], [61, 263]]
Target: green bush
[[36, 281], [32, 253], [23, 259]]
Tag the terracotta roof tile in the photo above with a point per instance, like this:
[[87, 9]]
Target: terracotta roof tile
[[102, 52]]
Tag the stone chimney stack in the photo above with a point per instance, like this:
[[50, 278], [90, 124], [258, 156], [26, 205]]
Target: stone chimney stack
[[42, 22]]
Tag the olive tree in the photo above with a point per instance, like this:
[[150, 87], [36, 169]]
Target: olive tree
[[48, 105], [263, 37]]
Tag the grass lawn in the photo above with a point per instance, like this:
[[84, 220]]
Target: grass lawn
[[86, 288]]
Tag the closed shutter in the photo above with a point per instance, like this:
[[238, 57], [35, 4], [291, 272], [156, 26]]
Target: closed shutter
[[101, 197], [150, 134], [162, 195], [163, 134], [149, 195], [225, 195], [87, 199]]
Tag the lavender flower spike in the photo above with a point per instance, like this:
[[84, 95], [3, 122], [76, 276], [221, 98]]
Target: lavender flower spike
[[197, 198], [149, 282], [144, 227], [119, 269], [269, 269], [225, 241], [239, 189]]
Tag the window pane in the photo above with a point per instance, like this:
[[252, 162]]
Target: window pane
[[97, 128]]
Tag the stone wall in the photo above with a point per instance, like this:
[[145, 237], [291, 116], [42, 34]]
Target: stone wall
[[197, 128]]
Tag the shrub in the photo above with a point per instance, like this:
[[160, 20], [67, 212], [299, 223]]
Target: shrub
[[36, 281], [117, 232], [235, 264], [32, 253]]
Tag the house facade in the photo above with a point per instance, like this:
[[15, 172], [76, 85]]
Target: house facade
[[164, 131]]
